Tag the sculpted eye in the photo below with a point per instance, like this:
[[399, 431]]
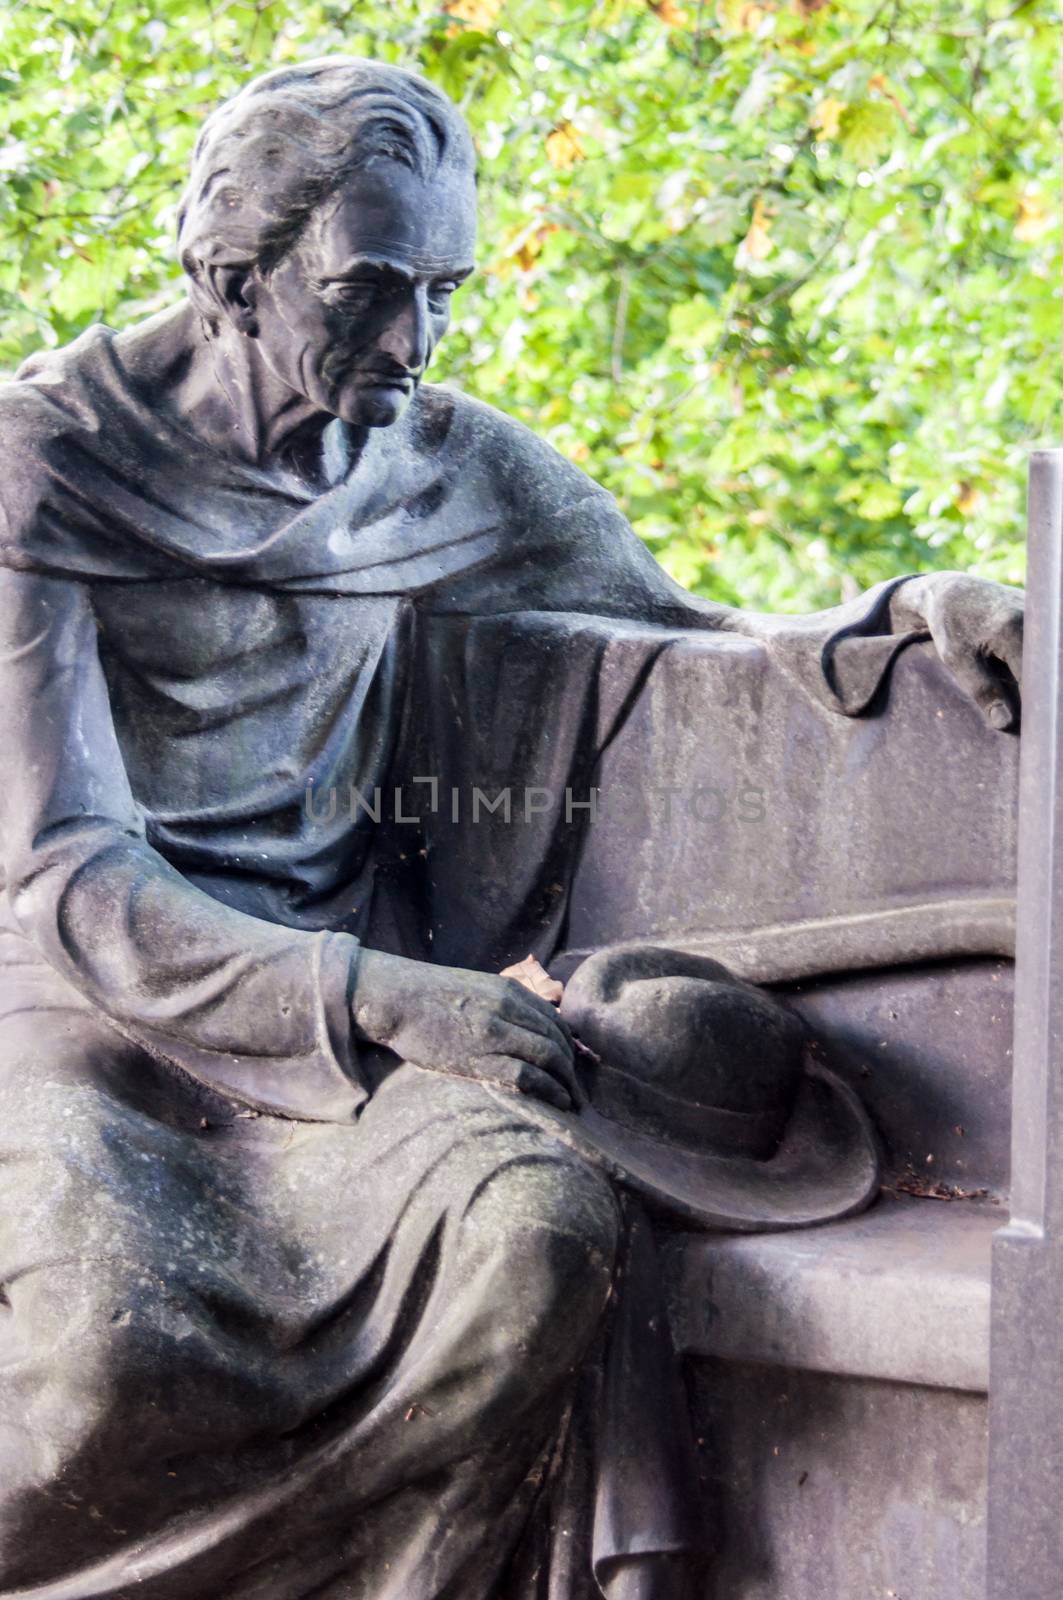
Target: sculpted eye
[[353, 292], [439, 294]]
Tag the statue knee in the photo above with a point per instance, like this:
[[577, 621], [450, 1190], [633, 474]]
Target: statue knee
[[118, 1358], [554, 1226], [89, 1339]]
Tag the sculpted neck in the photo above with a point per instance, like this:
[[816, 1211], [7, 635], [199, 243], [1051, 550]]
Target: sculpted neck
[[232, 399]]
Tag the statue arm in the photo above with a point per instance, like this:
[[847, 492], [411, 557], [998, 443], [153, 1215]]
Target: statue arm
[[589, 559], [844, 655], [840, 656], [563, 544], [259, 1012]]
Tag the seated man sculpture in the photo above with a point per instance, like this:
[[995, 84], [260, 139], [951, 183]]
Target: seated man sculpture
[[301, 1273]]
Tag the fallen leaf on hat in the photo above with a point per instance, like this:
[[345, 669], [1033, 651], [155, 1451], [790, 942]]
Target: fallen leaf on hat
[[532, 975]]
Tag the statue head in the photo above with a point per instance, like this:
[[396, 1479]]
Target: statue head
[[330, 215]]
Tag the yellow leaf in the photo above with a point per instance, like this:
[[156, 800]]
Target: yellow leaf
[[757, 244], [671, 13], [526, 254], [1034, 218], [826, 117], [967, 498], [564, 146], [521, 247], [477, 14], [742, 16]]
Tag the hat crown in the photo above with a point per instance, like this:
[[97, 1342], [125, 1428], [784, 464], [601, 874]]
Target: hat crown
[[692, 1100], [692, 1054]]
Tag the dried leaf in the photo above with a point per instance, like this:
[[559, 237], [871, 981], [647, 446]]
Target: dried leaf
[[884, 87], [750, 17], [531, 975], [480, 15], [1034, 218], [670, 13], [564, 147], [757, 244], [742, 16], [924, 1189], [826, 117]]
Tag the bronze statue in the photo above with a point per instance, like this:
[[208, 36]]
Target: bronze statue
[[311, 1281]]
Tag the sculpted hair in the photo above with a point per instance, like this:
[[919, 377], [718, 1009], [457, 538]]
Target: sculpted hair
[[266, 159]]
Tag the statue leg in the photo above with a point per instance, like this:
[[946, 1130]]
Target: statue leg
[[276, 1360]]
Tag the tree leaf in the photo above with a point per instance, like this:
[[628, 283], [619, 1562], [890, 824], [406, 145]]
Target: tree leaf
[[564, 146], [866, 129]]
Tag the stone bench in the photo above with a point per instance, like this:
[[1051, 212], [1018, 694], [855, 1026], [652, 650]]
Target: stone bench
[[866, 869], [900, 1294], [839, 1375]]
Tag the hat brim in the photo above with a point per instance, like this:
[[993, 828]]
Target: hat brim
[[827, 1166]]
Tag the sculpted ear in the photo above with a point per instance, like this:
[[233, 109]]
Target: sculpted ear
[[223, 294]]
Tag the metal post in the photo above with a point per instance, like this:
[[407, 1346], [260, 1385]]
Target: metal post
[[1025, 1556]]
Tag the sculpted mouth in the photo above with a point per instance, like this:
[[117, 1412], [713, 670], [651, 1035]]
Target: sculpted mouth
[[340, 370], [393, 377]]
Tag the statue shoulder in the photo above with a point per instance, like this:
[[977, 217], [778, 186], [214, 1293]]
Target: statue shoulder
[[524, 470], [55, 393], [39, 410], [59, 416], [101, 372]]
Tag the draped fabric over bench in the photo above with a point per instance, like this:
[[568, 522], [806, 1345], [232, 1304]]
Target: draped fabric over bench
[[732, 811]]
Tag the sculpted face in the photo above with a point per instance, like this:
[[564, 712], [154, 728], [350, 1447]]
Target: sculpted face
[[349, 318]]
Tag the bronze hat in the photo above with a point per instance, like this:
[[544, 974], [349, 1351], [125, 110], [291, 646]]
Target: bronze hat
[[702, 1095]]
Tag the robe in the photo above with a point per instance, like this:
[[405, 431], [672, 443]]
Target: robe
[[282, 1316]]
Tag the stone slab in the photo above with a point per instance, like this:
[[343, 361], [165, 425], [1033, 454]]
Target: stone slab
[[901, 1293], [835, 1488]]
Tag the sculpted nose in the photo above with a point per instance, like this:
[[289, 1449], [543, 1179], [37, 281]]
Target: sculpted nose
[[405, 339]]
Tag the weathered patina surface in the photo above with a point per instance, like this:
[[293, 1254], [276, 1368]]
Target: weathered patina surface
[[313, 1287]]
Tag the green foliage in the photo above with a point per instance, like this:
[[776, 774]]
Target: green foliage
[[783, 274]]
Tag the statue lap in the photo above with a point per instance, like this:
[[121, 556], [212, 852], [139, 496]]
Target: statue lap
[[194, 1294]]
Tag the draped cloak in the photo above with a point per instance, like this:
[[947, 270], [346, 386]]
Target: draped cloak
[[310, 1265]]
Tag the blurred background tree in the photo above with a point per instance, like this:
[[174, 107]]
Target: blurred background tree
[[784, 275]]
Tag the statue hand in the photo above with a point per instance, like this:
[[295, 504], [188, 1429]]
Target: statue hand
[[468, 1024], [976, 626]]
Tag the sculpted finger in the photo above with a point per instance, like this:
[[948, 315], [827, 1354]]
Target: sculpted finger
[[547, 1056], [539, 1016], [982, 678], [531, 1080], [1008, 647], [522, 1077]]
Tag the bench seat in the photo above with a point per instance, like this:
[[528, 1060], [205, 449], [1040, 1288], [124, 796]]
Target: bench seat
[[900, 1293]]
